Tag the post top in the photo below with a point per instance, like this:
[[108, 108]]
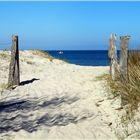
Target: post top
[[113, 36], [15, 35], [125, 37]]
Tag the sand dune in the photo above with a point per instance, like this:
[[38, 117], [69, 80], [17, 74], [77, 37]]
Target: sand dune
[[56, 101]]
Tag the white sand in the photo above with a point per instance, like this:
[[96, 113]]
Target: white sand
[[67, 102]]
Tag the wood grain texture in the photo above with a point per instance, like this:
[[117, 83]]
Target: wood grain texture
[[14, 74]]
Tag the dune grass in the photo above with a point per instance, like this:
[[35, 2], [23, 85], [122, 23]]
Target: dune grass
[[43, 54], [30, 62], [128, 90], [131, 89], [4, 55], [3, 86]]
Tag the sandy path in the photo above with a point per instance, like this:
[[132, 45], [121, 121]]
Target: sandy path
[[57, 101]]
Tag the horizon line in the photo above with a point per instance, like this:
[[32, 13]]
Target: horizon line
[[70, 1]]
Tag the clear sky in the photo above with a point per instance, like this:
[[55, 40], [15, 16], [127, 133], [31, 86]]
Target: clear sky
[[68, 25]]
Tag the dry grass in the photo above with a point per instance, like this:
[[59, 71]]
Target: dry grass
[[131, 89], [110, 83], [4, 55], [3, 86], [47, 55], [128, 90], [42, 54], [30, 62]]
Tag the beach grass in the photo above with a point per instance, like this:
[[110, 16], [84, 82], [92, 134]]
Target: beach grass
[[128, 90], [44, 54], [30, 62], [4, 56], [3, 86]]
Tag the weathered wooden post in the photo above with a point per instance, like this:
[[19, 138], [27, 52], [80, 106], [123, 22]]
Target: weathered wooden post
[[124, 57], [112, 54], [14, 74]]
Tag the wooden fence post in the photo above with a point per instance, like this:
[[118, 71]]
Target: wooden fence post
[[112, 53], [14, 74], [124, 57]]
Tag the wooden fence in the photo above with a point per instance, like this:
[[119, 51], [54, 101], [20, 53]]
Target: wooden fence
[[14, 73], [112, 53]]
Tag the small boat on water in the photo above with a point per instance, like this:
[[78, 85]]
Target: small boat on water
[[60, 52]]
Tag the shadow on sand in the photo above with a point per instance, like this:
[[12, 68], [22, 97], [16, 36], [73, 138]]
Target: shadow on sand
[[27, 114], [28, 81]]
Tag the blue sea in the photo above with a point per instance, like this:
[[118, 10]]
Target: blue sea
[[83, 58]]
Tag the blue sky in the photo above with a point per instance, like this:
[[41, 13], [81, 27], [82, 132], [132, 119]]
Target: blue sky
[[68, 25]]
